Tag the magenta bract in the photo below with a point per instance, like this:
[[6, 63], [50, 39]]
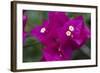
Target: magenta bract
[[61, 35], [24, 24]]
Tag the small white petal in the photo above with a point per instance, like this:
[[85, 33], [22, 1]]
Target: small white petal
[[71, 28], [68, 33], [43, 30]]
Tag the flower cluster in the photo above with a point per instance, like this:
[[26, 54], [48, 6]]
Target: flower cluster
[[61, 35]]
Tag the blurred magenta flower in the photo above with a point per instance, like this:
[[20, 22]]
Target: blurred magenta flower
[[24, 24], [46, 33], [75, 32], [60, 35]]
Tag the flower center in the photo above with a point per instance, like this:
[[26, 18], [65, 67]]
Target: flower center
[[68, 33], [43, 30], [71, 28]]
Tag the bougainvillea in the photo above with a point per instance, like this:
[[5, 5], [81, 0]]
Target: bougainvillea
[[61, 35]]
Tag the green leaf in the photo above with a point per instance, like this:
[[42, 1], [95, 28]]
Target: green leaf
[[34, 18], [32, 50], [79, 55], [32, 54]]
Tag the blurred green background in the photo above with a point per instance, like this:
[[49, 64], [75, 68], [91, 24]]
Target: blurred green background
[[32, 48]]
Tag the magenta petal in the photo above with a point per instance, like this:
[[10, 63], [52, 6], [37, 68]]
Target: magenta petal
[[82, 32], [24, 35], [53, 54], [42, 37], [45, 24], [78, 36], [24, 24], [37, 34], [24, 20], [57, 19], [88, 31], [67, 51]]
